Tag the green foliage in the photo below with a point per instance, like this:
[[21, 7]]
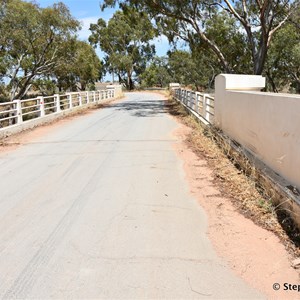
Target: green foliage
[[80, 68], [39, 50], [249, 26], [32, 42], [187, 68], [156, 74], [193, 68], [125, 40], [283, 67]]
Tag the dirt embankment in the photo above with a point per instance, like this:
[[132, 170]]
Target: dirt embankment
[[243, 226]]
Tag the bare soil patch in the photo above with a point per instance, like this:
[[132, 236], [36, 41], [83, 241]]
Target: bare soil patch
[[242, 222]]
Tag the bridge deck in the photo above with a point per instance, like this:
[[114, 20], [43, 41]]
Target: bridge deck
[[99, 207]]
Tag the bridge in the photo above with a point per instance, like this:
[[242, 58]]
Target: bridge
[[98, 206]]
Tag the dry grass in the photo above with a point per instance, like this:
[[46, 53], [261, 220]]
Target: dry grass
[[244, 192]]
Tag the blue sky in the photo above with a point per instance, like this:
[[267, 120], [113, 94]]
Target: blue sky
[[88, 11]]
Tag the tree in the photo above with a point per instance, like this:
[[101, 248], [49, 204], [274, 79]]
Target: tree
[[156, 74], [31, 42], [187, 19], [196, 69], [81, 67], [125, 40], [282, 67]]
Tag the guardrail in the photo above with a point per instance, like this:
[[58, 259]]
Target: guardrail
[[20, 111], [201, 105]]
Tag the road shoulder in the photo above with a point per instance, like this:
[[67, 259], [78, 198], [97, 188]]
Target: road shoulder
[[254, 254]]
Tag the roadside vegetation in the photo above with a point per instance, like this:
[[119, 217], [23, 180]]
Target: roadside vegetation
[[40, 52], [248, 198], [242, 37]]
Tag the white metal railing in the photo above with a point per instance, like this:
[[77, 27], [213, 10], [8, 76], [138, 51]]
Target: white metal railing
[[19, 111], [202, 105]]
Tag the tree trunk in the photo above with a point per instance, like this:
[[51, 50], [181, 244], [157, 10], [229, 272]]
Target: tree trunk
[[297, 86], [272, 83], [260, 58], [129, 85]]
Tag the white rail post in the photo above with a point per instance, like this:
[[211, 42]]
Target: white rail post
[[18, 107], [57, 102], [206, 107], [197, 94], [94, 96], [87, 97], [79, 99], [69, 95], [194, 101], [41, 104], [188, 96]]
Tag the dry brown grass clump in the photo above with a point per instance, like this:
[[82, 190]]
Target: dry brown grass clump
[[242, 190]]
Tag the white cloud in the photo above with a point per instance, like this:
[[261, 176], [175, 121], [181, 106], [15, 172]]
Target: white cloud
[[84, 33]]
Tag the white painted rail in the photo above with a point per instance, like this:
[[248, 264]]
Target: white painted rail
[[19, 111], [201, 105]]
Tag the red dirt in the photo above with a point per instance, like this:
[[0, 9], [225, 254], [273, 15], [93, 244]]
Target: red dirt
[[253, 253]]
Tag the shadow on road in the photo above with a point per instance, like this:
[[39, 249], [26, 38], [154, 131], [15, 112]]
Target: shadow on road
[[144, 108]]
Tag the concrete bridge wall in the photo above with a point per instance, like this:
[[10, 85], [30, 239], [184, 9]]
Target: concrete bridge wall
[[267, 124]]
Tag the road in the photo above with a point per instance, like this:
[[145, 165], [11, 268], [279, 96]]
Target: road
[[100, 208]]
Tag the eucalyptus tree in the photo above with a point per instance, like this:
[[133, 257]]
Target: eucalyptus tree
[[283, 67], [157, 73], [81, 67], [258, 20], [31, 41], [125, 39], [197, 69]]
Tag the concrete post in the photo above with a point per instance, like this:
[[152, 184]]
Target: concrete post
[[79, 99], [193, 94], [197, 95], [207, 107], [94, 96], [185, 97], [18, 107], [57, 102], [204, 106], [110, 91], [69, 95], [226, 82], [41, 104], [87, 97]]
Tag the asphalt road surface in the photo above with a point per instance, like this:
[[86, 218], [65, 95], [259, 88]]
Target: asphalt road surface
[[100, 208]]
